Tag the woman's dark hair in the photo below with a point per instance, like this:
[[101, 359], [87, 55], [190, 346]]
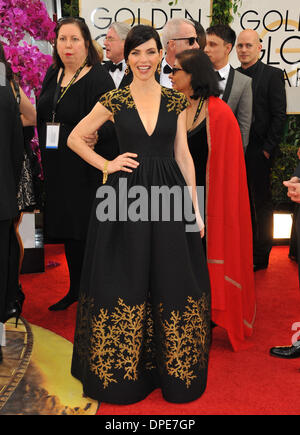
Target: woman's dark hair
[[139, 35], [93, 56], [201, 35], [203, 77], [9, 71]]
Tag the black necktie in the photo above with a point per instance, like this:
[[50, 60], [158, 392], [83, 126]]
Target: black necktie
[[112, 66], [219, 77], [167, 69]]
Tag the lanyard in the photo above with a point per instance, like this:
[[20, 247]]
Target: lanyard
[[198, 110], [57, 99]]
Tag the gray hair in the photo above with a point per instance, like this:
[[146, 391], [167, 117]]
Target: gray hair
[[172, 29], [121, 29]]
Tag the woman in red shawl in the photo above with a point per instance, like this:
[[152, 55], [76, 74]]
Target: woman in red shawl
[[216, 147]]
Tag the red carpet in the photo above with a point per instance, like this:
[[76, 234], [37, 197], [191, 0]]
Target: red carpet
[[249, 382]]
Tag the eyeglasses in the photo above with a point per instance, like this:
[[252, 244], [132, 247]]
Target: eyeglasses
[[191, 40], [175, 70], [110, 39]]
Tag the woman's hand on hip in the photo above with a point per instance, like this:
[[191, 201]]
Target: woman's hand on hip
[[123, 163]]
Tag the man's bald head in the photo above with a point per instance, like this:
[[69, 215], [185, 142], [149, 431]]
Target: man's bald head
[[248, 47]]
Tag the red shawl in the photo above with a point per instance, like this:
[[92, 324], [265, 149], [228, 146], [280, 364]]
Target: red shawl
[[228, 227]]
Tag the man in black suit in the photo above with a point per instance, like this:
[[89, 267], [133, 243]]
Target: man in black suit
[[293, 185], [114, 45], [11, 157], [236, 89], [269, 116]]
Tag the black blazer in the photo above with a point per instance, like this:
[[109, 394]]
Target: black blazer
[[11, 152], [269, 107]]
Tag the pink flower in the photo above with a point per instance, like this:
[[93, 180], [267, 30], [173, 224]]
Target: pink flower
[[18, 18]]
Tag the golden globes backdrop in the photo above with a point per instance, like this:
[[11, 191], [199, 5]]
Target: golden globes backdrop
[[99, 14], [278, 25]]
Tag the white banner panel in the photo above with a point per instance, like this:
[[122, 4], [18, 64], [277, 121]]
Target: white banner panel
[[99, 14], [278, 25]]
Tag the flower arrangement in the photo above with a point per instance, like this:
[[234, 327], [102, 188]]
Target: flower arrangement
[[18, 18]]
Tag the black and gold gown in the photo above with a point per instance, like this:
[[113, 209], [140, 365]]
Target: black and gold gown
[[143, 318]]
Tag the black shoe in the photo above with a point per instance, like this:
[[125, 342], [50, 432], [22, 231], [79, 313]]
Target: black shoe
[[287, 352], [1, 355], [261, 266], [63, 304], [15, 310], [20, 296]]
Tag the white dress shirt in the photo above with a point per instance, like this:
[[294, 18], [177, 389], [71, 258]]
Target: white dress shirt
[[164, 78], [118, 75], [224, 73]]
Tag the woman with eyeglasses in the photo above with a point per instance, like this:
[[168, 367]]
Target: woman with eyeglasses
[[143, 318], [72, 85], [215, 144]]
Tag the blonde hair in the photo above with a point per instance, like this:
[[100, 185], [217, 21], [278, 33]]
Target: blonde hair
[[99, 49]]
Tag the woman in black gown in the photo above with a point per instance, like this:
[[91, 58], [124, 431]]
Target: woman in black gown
[[70, 183], [143, 317]]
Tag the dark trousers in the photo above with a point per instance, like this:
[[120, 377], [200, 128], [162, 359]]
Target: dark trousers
[[9, 266], [293, 252], [298, 240], [74, 251], [259, 183]]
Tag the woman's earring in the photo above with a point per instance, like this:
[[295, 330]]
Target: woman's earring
[[158, 69], [127, 70]]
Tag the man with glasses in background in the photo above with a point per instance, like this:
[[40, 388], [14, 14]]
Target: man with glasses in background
[[114, 45], [178, 35]]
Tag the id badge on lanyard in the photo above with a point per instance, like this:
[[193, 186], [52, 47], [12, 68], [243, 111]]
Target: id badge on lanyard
[[53, 128], [52, 135]]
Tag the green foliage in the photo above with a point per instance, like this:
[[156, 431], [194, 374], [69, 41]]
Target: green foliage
[[292, 135], [224, 11], [285, 162], [284, 166], [70, 8]]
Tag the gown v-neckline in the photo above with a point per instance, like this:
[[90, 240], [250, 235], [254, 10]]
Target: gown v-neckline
[[139, 117]]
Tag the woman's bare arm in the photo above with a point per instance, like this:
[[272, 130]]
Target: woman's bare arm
[[91, 123], [185, 162]]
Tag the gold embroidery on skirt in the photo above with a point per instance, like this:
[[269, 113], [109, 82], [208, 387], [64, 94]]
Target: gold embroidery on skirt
[[187, 340], [118, 344], [123, 340]]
